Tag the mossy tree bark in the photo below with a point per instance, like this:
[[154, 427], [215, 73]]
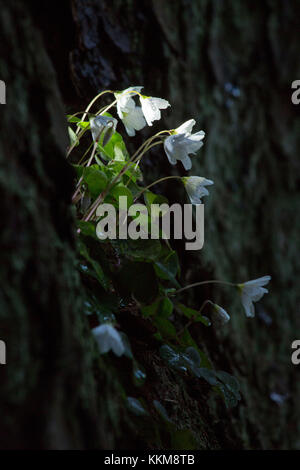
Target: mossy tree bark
[[47, 370]]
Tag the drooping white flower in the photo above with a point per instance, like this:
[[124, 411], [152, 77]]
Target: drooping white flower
[[182, 142], [195, 187], [125, 99], [151, 108], [133, 120], [186, 127], [220, 314], [131, 115], [252, 291], [108, 338], [104, 126]]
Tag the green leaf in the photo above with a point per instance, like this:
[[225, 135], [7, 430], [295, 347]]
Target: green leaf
[[165, 307], [187, 340], [95, 179], [147, 250], [152, 198], [139, 374], [73, 118], [168, 267], [84, 124], [161, 411], [207, 374], [98, 271], [79, 170], [135, 406], [121, 190], [137, 279], [161, 306], [87, 228], [191, 313], [166, 329], [230, 388], [173, 358], [74, 141], [231, 399], [119, 152], [193, 355], [103, 310], [149, 310], [115, 167], [115, 149]]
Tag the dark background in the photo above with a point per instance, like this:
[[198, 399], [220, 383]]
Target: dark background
[[229, 65]]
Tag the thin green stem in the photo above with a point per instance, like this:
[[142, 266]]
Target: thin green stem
[[75, 143], [101, 196], [156, 182], [74, 197], [83, 156], [147, 142], [93, 102], [202, 283], [75, 114], [204, 305], [106, 108], [192, 320]]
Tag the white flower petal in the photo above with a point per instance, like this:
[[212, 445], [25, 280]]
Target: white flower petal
[[248, 305], [187, 162], [160, 103], [124, 105], [125, 101], [220, 314], [260, 292], [101, 124], [252, 291], [193, 145], [108, 338], [130, 130], [181, 143], [170, 156], [134, 120], [151, 108], [198, 136], [186, 127], [261, 281], [195, 187], [172, 149]]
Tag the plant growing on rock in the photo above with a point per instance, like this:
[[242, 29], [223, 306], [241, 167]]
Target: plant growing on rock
[[144, 271]]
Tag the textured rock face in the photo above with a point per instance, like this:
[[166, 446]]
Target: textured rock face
[[228, 64]]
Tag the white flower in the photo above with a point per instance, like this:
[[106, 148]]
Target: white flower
[[131, 115], [186, 127], [133, 120], [182, 142], [103, 125], [108, 338], [151, 108], [252, 291], [195, 187], [220, 314], [125, 100]]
